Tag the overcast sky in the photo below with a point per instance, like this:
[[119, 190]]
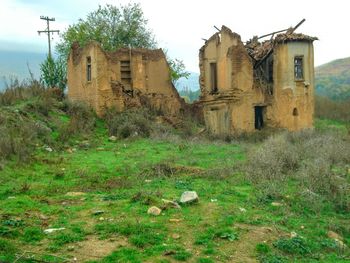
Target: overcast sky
[[179, 25]]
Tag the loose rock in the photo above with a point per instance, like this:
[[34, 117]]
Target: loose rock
[[112, 138], [171, 204], [189, 197], [51, 230], [73, 194], [175, 220], [337, 238], [276, 204], [154, 211], [97, 212], [175, 236]]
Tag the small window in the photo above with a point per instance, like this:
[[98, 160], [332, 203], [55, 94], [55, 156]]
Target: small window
[[295, 112], [298, 68], [125, 72], [213, 78], [88, 68]]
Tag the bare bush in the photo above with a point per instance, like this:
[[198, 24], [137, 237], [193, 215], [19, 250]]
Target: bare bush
[[317, 161], [269, 166], [16, 91], [18, 138], [329, 109], [134, 122], [82, 120]]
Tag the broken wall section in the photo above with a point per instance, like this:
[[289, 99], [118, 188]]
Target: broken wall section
[[123, 79], [227, 91]]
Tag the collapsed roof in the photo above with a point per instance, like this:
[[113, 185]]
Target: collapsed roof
[[261, 50]]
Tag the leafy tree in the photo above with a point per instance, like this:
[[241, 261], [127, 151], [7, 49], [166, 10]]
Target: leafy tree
[[53, 73], [177, 70], [114, 28]]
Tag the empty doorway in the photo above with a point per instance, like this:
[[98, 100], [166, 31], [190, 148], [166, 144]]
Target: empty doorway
[[259, 117]]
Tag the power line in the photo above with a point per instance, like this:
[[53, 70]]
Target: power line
[[48, 31]]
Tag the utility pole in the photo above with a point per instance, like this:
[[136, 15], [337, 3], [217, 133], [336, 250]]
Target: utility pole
[[48, 31]]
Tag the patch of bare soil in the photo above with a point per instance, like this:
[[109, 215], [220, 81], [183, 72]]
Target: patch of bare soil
[[94, 248], [244, 250]]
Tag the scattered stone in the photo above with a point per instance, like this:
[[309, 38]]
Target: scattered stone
[[112, 138], [213, 200], [148, 181], [51, 230], [43, 217], [11, 197], [338, 239], [97, 212], [243, 210], [302, 227], [175, 236], [171, 204], [175, 220], [101, 218], [73, 194], [334, 235], [276, 204], [70, 248], [293, 234], [189, 197], [154, 211], [49, 149], [100, 149]]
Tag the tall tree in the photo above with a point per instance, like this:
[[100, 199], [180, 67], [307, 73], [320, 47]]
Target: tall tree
[[112, 27], [53, 73]]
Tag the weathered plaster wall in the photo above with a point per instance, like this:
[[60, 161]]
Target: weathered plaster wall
[[81, 89], [150, 80], [231, 109], [291, 94]]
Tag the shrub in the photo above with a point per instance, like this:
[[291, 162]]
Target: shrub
[[7, 251], [295, 245], [134, 122], [316, 161], [330, 109], [18, 136], [17, 91], [269, 165], [32, 235], [82, 120]]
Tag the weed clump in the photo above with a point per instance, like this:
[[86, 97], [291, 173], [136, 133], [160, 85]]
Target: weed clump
[[130, 123], [295, 245], [316, 162], [82, 120]]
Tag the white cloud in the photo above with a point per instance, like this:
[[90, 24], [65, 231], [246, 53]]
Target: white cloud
[[180, 25]]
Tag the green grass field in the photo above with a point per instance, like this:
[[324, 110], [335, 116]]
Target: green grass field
[[97, 192]]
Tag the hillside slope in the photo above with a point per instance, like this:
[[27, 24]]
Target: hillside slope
[[333, 79]]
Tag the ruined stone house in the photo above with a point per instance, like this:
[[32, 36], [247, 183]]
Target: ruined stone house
[[121, 79], [250, 86]]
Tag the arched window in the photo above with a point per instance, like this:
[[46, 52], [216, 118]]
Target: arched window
[[295, 112]]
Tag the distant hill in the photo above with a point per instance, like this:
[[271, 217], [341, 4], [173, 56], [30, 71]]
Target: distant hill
[[191, 83], [14, 64], [189, 88], [333, 79]]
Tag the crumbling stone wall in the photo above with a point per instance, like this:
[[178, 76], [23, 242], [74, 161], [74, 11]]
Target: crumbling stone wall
[[122, 79], [245, 94], [294, 99]]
